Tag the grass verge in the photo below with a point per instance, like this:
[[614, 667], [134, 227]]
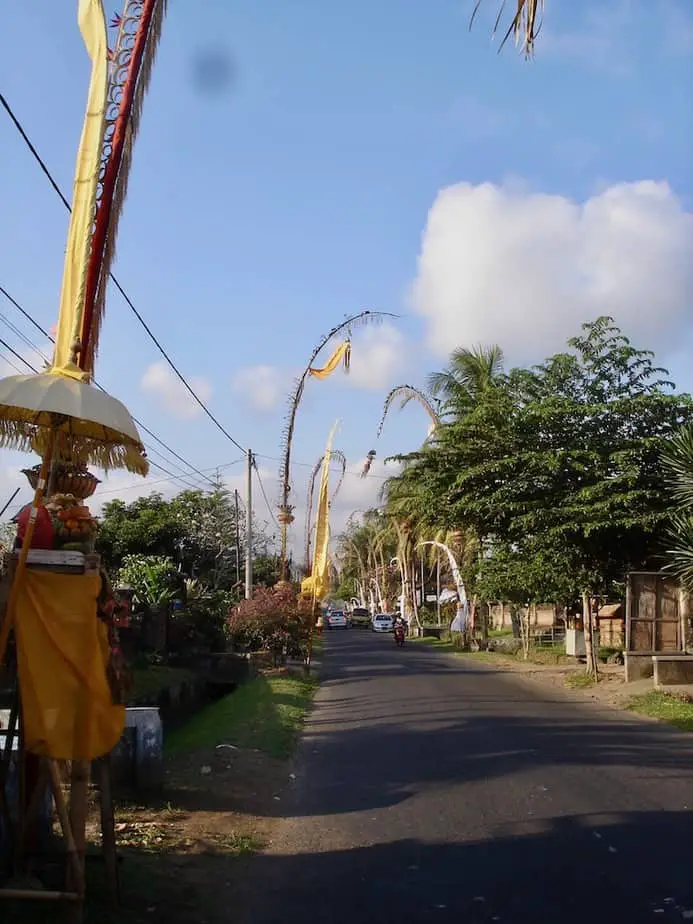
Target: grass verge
[[668, 707], [266, 714], [580, 680]]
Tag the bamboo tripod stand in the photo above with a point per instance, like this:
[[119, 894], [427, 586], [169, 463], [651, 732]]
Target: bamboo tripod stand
[[36, 776], [72, 813]]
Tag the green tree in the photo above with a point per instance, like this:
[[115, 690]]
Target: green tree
[[147, 526], [561, 458]]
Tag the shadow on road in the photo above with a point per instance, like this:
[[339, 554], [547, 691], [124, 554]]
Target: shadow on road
[[622, 869]]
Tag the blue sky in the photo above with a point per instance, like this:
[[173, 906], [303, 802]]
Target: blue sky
[[309, 183]]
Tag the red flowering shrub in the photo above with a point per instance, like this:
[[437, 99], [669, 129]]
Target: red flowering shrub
[[274, 619]]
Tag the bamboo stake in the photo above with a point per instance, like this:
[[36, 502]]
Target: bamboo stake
[[39, 895], [108, 829], [63, 817]]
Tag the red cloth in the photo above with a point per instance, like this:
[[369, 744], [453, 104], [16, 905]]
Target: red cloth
[[43, 537]]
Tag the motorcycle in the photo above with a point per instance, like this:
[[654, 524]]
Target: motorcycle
[[399, 636]]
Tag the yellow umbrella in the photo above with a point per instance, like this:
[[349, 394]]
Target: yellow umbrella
[[61, 417], [83, 423]]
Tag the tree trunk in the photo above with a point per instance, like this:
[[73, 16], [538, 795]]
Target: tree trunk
[[588, 624], [523, 619], [414, 607]]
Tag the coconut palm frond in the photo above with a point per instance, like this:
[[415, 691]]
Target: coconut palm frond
[[681, 551], [677, 459], [407, 393], [525, 25]]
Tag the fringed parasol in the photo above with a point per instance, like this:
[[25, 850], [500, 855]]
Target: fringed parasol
[[83, 423]]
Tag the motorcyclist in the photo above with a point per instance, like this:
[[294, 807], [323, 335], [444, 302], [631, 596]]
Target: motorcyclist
[[399, 628]]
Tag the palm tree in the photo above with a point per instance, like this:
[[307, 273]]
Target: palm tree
[[469, 373], [678, 465]]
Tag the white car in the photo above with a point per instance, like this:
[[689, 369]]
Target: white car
[[382, 622], [337, 620]]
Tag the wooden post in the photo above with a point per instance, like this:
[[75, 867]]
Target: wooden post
[[79, 796], [108, 829]]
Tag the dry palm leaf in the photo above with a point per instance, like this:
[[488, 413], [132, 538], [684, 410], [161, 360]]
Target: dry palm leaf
[[525, 24]]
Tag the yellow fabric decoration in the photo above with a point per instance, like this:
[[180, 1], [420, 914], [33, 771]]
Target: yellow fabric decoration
[[62, 651], [320, 577], [92, 24], [341, 354]]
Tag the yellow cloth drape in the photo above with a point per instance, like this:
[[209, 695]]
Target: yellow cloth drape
[[341, 354], [62, 652], [92, 24], [320, 577]]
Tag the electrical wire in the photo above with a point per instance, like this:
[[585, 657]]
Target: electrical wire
[[11, 364], [52, 340], [335, 469], [117, 284], [166, 471], [138, 484], [17, 355], [264, 495]]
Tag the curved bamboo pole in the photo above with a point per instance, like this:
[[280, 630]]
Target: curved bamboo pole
[[407, 393], [457, 577], [341, 458], [285, 508]]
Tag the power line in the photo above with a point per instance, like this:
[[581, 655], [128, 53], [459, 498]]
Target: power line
[[151, 462], [22, 336], [11, 364], [117, 284], [150, 484], [52, 340], [17, 355], [264, 495], [25, 313], [333, 469]]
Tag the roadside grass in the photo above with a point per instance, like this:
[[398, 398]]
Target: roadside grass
[[580, 680], [440, 643], [451, 648], [266, 713], [668, 707]]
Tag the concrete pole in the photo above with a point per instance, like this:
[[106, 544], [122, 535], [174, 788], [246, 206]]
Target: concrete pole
[[249, 529]]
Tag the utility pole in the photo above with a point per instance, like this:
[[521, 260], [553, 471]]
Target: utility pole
[[238, 540], [249, 529]]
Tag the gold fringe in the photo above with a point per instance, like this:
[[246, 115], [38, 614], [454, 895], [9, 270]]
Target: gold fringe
[[104, 447], [121, 184]]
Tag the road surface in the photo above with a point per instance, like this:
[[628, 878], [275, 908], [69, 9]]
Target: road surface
[[433, 788]]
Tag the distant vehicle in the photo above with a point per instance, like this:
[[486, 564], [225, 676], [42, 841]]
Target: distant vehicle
[[337, 620], [360, 617], [382, 622]]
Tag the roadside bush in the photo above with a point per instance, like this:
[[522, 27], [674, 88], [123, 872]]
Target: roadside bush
[[201, 623], [274, 620]]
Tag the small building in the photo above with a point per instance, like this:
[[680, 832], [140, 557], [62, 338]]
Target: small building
[[611, 622]]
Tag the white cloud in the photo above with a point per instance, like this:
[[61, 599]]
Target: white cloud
[[160, 382], [378, 356], [263, 386], [524, 269]]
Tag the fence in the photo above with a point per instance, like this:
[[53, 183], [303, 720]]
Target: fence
[[553, 637]]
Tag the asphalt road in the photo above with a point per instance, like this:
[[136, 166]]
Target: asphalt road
[[436, 789]]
